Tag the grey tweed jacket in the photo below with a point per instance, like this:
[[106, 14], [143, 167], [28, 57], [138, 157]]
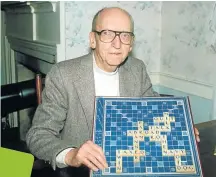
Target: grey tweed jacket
[[65, 117]]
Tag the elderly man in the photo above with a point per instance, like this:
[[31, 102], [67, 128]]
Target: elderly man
[[62, 126]]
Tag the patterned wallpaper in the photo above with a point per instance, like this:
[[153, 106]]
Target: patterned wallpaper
[[188, 45], [178, 38], [146, 17]]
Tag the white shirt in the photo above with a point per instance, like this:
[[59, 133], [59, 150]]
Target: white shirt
[[106, 84]]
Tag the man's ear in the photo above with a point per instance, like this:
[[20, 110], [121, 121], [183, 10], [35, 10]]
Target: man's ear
[[131, 45], [130, 48], [92, 40]]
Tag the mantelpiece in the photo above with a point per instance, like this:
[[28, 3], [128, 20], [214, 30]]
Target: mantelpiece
[[37, 29]]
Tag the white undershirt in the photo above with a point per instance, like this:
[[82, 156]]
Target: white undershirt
[[106, 84]]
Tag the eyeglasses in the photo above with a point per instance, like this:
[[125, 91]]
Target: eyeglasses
[[108, 36]]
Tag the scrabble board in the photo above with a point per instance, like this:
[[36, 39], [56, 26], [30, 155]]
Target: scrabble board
[[150, 136]]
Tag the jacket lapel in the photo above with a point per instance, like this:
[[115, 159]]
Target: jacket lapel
[[85, 88], [127, 82]]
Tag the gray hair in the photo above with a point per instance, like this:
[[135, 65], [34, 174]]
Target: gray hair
[[94, 22]]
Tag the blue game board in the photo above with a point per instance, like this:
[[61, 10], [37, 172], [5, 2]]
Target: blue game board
[[146, 137]]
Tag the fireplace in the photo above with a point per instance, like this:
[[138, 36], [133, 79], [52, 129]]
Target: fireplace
[[31, 46]]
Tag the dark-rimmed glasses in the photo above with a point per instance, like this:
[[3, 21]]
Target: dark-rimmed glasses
[[108, 36]]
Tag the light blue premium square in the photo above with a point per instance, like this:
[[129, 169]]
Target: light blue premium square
[[184, 133], [154, 158], [112, 143], [114, 107], [144, 103], [181, 143], [108, 133], [134, 124], [178, 124], [119, 111], [154, 107], [119, 128], [107, 170], [109, 103], [148, 169], [160, 164], [124, 170], [119, 138], [113, 124], [112, 163], [134, 107], [107, 153]]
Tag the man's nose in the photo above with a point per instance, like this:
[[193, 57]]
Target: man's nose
[[116, 42]]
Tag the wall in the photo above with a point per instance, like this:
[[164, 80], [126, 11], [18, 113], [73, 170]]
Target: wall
[[188, 46], [146, 16], [188, 54]]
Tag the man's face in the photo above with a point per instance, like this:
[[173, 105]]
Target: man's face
[[109, 55]]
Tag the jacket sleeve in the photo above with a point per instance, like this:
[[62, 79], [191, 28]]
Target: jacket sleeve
[[43, 138]]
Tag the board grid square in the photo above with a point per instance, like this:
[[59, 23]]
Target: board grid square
[[148, 136]]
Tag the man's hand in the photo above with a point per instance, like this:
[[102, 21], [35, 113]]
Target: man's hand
[[197, 134], [88, 154]]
